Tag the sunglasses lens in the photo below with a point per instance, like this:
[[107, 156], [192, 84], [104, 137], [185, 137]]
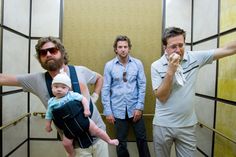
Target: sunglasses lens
[[53, 50], [44, 52]]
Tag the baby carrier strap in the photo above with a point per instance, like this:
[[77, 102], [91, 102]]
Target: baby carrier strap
[[75, 86], [74, 82], [74, 79]]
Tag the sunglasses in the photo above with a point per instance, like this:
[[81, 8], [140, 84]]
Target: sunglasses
[[124, 77], [44, 52]]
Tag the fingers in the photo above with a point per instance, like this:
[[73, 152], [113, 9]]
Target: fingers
[[174, 58], [136, 118], [174, 61], [94, 97], [137, 115], [110, 119]]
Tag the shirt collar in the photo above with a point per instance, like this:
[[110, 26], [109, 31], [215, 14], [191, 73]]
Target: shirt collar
[[185, 58], [164, 60], [130, 59]]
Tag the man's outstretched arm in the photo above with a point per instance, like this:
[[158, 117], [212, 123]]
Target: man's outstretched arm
[[8, 80]]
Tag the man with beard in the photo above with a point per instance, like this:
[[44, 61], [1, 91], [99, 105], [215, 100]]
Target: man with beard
[[52, 56]]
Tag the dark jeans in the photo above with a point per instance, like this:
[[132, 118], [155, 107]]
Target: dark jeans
[[121, 126]]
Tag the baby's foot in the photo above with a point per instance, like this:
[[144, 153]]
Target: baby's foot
[[114, 142]]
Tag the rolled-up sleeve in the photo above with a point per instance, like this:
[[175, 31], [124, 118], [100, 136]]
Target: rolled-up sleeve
[[106, 95], [141, 87]]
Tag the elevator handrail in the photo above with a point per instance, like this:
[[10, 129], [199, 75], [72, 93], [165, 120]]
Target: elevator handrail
[[17, 120], [203, 125], [216, 131], [42, 114], [212, 129], [14, 122]]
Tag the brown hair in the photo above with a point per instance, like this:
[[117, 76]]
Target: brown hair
[[55, 41], [172, 32], [121, 38]]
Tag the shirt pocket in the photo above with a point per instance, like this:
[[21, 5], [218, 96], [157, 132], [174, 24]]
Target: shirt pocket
[[132, 76], [116, 78], [162, 74]]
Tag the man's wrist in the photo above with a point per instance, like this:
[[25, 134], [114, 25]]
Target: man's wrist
[[139, 110], [94, 97]]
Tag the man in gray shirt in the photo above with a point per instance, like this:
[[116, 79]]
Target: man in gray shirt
[[52, 56]]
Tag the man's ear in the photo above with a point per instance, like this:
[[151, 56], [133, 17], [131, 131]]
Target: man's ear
[[164, 47]]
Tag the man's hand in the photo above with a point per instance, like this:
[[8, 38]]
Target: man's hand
[[137, 115], [174, 60], [94, 97], [110, 119]]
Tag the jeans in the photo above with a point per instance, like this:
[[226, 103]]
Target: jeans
[[121, 126]]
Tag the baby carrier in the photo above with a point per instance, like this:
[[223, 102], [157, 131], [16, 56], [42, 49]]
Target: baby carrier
[[70, 117]]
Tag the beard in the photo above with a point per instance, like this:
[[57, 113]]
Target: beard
[[52, 64]]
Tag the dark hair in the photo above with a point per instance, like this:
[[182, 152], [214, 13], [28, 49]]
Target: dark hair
[[172, 32], [121, 38], [55, 41]]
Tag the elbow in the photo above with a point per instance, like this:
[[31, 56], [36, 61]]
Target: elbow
[[100, 77], [162, 99], [100, 81]]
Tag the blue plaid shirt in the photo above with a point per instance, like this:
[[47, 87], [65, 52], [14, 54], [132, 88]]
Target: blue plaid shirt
[[119, 96]]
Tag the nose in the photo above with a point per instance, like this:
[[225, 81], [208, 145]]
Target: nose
[[177, 49], [48, 53], [123, 49], [58, 89]]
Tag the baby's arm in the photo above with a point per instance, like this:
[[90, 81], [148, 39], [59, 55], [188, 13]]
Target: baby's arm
[[48, 127], [48, 116], [86, 107]]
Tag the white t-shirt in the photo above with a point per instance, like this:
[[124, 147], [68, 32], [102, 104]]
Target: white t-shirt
[[178, 110]]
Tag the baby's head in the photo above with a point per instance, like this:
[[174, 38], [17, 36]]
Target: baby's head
[[61, 84]]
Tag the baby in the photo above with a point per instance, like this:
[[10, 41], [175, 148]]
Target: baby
[[61, 86]]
